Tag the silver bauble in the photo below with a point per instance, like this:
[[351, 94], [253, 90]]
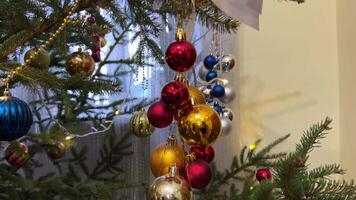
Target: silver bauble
[[202, 71], [228, 113], [226, 126], [227, 63], [229, 95], [170, 187]]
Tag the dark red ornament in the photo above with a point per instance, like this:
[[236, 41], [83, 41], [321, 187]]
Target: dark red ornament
[[198, 174], [263, 174], [175, 94], [181, 56], [91, 20], [203, 153], [160, 115], [17, 154], [95, 49]]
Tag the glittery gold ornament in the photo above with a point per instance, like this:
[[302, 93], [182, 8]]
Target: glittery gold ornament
[[166, 155], [103, 42], [170, 187], [196, 95], [56, 151], [140, 126], [39, 61], [80, 63], [201, 126]]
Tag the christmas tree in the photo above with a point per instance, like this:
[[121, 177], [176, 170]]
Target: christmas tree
[[44, 52]]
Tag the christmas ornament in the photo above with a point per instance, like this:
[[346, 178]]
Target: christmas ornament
[[17, 154], [56, 150], [91, 20], [227, 63], [218, 108], [211, 75], [95, 49], [227, 113], [203, 153], [170, 187], [202, 72], [15, 118], [166, 155], [180, 56], [195, 94], [202, 125], [226, 126], [103, 42], [218, 91], [140, 126], [229, 95], [263, 174], [210, 61], [175, 94], [160, 115], [199, 174], [80, 63], [39, 61]]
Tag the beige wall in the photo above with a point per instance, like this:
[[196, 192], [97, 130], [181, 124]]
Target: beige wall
[[289, 75], [347, 63]]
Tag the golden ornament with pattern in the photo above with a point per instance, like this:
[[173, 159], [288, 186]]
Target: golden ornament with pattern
[[140, 126]]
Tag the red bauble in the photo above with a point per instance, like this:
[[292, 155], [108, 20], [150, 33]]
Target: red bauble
[[198, 174], [17, 154], [91, 20], [263, 174], [175, 94], [203, 153], [160, 115], [181, 56]]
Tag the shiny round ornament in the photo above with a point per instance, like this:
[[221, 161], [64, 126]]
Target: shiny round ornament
[[199, 174], [39, 61], [202, 71], [15, 118], [175, 94], [166, 155], [56, 151], [160, 115], [218, 108], [17, 154], [170, 187], [228, 113], [229, 95], [226, 126], [211, 75], [217, 91], [181, 56], [201, 126], [103, 42], [196, 95], [80, 63], [140, 126], [263, 174], [203, 153], [210, 61], [227, 63]]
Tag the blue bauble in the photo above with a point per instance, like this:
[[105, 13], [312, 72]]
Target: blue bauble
[[218, 108], [210, 61], [15, 118], [218, 91], [211, 75]]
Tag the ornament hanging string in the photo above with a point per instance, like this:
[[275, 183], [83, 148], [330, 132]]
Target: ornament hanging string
[[45, 45]]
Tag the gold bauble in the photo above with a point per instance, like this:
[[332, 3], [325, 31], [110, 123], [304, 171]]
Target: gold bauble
[[103, 42], [140, 126], [56, 151], [39, 61], [80, 63], [196, 95], [170, 187], [201, 126], [165, 155]]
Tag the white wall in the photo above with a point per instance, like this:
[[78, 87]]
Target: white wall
[[289, 76]]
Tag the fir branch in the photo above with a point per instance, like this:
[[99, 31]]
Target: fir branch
[[325, 171]]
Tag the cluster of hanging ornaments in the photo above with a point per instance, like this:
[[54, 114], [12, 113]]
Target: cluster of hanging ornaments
[[199, 126], [216, 89]]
